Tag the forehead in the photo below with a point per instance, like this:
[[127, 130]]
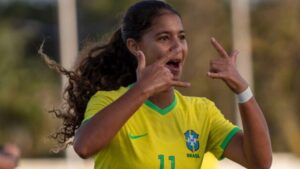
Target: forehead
[[166, 22]]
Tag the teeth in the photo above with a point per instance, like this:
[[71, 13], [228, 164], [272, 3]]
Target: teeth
[[174, 61]]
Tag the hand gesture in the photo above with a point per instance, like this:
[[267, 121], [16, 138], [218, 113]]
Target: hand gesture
[[156, 77], [224, 68]]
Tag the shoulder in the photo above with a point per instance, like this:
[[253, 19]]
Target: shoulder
[[197, 108], [101, 99], [194, 100], [106, 97], [113, 94], [201, 107]]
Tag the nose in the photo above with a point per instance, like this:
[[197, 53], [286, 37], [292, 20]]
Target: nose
[[176, 46]]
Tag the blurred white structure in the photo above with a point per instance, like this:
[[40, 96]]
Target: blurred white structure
[[68, 38], [280, 161], [240, 14], [68, 54], [52, 164]]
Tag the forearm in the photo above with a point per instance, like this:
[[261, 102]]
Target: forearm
[[100, 129], [253, 147], [256, 139]]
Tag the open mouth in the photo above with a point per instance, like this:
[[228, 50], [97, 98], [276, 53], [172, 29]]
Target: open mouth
[[174, 63]]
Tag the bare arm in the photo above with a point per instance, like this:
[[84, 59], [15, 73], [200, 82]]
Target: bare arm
[[255, 140], [252, 148], [97, 132]]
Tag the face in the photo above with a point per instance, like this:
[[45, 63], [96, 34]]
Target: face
[[165, 37]]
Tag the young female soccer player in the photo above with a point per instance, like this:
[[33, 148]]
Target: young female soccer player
[[124, 111]]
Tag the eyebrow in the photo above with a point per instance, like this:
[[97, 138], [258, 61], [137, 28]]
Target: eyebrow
[[168, 32]]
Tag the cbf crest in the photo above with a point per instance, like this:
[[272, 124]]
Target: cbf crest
[[192, 140]]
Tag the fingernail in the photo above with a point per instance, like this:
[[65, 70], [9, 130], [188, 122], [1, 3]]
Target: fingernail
[[138, 53], [208, 74]]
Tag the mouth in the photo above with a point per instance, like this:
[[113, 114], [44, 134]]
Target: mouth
[[174, 65]]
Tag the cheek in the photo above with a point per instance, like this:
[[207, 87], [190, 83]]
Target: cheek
[[154, 53], [185, 50]]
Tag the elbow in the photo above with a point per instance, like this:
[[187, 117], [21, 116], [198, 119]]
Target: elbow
[[265, 164], [268, 163], [81, 150], [85, 149], [81, 146], [85, 145]]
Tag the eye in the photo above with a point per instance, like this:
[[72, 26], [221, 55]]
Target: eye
[[182, 37], [163, 38]]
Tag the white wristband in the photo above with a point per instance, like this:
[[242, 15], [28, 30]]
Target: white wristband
[[245, 96]]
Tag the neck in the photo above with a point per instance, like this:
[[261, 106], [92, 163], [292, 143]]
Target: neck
[[163, 99]]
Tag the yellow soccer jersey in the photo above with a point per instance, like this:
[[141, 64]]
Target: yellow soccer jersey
[[175, 137]]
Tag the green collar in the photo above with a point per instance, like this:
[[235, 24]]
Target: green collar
[[161, 111]]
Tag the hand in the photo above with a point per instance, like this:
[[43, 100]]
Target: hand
[[10, 155], [156, 77], [224, 68]]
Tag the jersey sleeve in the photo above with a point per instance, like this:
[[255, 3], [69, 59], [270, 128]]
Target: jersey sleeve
[[221, 131], [97, 102]]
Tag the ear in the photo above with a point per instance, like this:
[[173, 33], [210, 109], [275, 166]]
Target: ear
[[132, 46]]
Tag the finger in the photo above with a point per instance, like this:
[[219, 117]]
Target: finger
[[234, 55], [163, 60], [141, 61], [217, 68], [218, 61], [215, 75], [217, 65], [180, 83], [219, 48]]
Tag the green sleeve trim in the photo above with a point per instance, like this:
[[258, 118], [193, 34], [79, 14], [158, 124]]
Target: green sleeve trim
[[229, 137], [131, 85]]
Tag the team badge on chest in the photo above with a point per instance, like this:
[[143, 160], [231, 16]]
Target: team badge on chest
[[192, 140]]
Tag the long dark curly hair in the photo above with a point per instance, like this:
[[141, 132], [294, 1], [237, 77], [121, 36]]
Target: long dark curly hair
[[104, 67]]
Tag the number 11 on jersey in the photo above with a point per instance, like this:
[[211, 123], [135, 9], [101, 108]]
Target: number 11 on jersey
[[162, 161]]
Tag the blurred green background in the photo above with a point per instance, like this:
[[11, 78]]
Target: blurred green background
[[28, 88]]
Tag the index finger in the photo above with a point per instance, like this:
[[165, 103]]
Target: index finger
[[219, 48]]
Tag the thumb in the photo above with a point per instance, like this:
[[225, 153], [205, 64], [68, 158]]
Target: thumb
[[141, 61], [215, 75]]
